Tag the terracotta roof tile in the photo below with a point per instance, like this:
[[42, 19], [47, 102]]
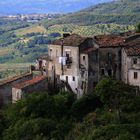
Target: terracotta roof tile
[[14, 78], [30, 82], [72, 40], [106, 41], [132, 45], [132, 51]]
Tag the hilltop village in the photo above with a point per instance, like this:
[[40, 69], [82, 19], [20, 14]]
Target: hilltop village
[[76, 64]]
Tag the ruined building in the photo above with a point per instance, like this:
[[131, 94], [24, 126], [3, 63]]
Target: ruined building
[[22, 89], [80, 62], [131, 61]]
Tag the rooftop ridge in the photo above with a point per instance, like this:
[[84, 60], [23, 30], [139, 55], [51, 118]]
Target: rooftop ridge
[[72, 40], [30, 82], [14, 78]]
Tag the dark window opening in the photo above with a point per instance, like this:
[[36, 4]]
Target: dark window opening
[[135, 75], [109, 72], [94, 84], [109, 55], [103, 71], [84, 57], [73, 78], [67, 78], [67, 55], [135, 61]]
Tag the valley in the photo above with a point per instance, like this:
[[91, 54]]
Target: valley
[[23, 42]]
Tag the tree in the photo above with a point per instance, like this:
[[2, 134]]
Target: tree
[[84, 105], [138, 27], [110, 91], [115, 95]]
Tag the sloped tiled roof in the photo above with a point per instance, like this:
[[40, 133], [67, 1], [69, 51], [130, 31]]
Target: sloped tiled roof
[[105, 41], [30, 82], [132, 51], [15, 78], [132, 45], [72, 40]]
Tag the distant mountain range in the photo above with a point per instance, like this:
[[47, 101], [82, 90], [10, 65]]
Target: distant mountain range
[[118, 12], [45, 6]]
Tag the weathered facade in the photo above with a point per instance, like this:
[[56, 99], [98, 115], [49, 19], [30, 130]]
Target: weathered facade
[[131, 61], [37, 84], [67, 62], [104, 59], [6, 87], [110, 55], [82, 62]]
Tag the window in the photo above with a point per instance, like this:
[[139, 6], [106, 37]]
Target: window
[[17, 95], [135, 75], [84, 57], [109, 72], [73, 78], [135, 61], [68, 53], [67, 79], [109, 55], [102, 71]]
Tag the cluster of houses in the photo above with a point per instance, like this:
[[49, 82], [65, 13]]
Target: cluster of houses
[[78, 63]]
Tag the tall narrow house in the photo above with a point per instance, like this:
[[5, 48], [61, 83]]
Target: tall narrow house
[[68, 63], [131, 60]]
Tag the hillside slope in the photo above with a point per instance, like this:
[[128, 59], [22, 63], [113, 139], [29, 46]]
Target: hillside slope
[[116, 7], [119, 12]]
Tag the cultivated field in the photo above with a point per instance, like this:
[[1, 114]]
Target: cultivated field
[[31, 29], [5, 51]]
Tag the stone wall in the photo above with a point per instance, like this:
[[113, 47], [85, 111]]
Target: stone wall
[[41, 86], [6, 87], [110, 62]]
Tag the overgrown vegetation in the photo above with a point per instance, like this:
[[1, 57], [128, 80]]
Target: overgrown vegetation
[[138, 27], [111, 113]]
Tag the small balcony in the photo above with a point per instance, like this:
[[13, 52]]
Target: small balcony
[[69, 60]]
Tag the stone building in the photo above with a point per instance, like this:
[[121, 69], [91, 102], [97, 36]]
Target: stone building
[[110, 55], [104, 59], [42, 65], [131, 60], [81, 62], [6, 87], [37, 84], [67, 62]]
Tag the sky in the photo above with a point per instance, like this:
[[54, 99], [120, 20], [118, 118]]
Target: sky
[[45, 6]]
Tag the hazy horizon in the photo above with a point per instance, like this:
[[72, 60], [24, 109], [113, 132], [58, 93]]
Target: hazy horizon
[[45, 6]]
